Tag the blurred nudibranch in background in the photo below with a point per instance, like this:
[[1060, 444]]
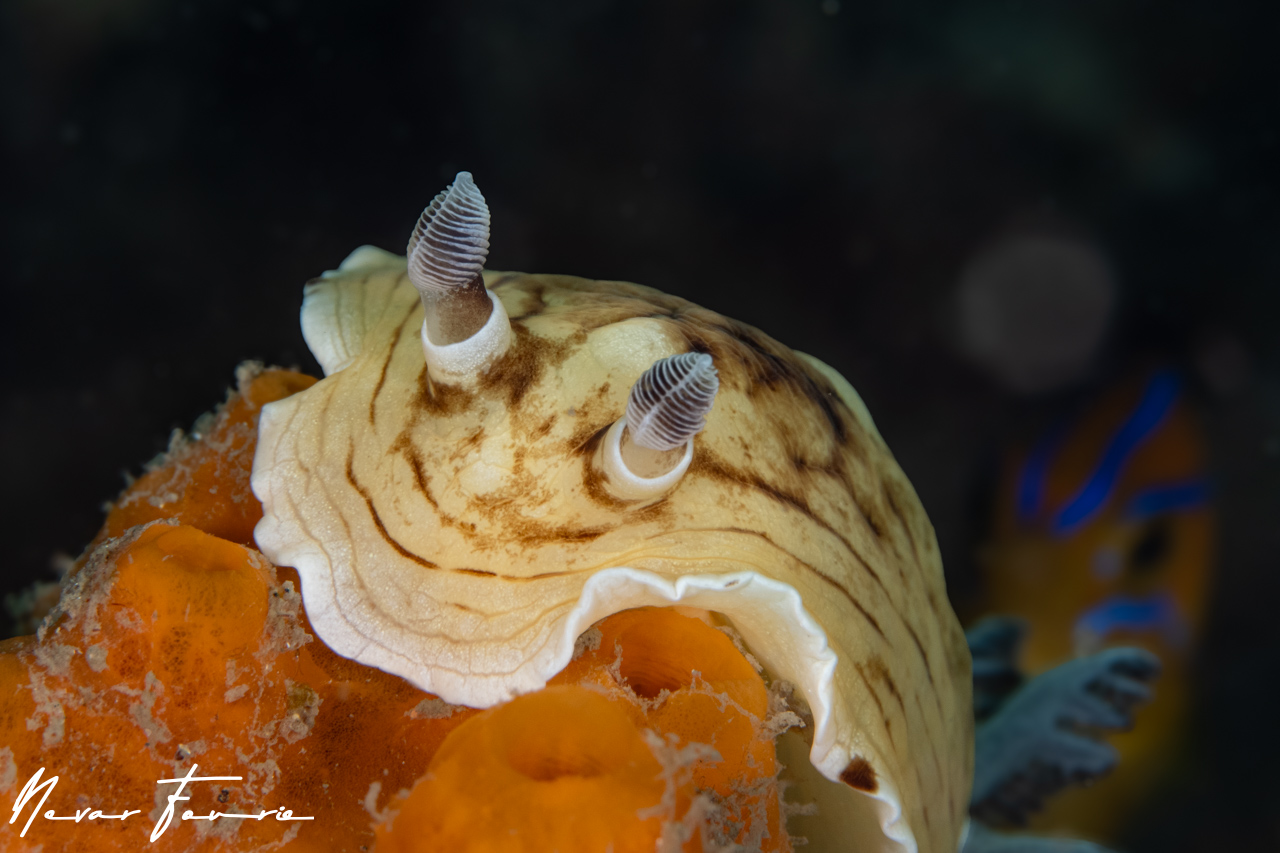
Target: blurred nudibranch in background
[[1102, 534]]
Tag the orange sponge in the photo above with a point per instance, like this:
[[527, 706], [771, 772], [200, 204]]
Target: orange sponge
[[657, 730], [176, 647], [172, 648], [561, 769], [203, 480], [692, 684]]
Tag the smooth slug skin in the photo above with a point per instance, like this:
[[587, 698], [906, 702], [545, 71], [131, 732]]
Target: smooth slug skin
[[462, 537]]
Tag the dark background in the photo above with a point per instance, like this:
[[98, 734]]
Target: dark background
[[173, 172]]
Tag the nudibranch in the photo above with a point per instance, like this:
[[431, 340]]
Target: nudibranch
[[1102, 534], [464, 494]]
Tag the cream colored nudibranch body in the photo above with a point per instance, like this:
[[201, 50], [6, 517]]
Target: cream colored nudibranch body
[[461, 529]]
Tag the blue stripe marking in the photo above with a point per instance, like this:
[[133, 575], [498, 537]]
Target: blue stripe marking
[[1172, 498], [1156, 402], [1156, 612], [1034, 472]]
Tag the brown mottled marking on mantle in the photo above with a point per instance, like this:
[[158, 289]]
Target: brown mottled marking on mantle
[[860, 775], [377, 520]]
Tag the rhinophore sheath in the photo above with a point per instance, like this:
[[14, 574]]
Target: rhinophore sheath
[[647, 451], [465, 329]]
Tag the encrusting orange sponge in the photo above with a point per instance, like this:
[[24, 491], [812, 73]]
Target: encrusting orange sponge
[[688, 681], [561, 769], [203, 479], [657, 731], [176, 647], [172, 648]]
